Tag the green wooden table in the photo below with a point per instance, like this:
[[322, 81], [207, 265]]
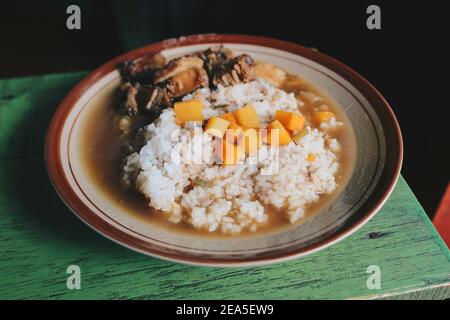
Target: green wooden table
[[40, 237]]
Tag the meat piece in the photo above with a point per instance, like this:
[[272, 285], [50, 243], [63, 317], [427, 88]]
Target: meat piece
[[147, 99], [187, 81], [270, 73], [141, 70], [177, 66], [129, 105], [152, 100], [234, 71], [213, 58]]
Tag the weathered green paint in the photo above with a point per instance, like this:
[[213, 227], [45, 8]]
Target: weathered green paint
[[40, 237]]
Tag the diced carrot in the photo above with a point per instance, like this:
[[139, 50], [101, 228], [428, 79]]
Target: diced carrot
[[188, 111], [296, 122], [229, 117], [233, 132], [227, 153], [290, 120], [311, 157], [178, 122], [320, 116], [250, 141], [277, 134], [282, 116], [216, 126], [247, 117]]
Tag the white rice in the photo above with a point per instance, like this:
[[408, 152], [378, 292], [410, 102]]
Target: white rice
[[265, 98], [230, 198]]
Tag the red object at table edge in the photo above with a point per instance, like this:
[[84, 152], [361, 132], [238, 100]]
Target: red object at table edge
[[441, 220]]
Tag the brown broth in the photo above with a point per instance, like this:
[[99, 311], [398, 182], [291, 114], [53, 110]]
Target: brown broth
[[103, 148]]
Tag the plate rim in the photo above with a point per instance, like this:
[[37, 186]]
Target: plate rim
[[63, 188]]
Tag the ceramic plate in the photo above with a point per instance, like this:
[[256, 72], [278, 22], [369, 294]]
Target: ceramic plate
[[377, 167]]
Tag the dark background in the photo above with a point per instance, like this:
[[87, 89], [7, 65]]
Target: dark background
[[407, 60]]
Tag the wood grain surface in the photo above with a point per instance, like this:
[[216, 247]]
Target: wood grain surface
[[40, 237]]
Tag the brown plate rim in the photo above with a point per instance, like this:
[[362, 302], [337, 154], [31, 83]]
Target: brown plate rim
[[63, 187]]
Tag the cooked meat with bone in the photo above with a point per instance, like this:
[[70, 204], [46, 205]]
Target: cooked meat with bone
[[150, 85], [213, 58], [177, 66], [141, 70], [152, 100], [234, 71], [187, 81]]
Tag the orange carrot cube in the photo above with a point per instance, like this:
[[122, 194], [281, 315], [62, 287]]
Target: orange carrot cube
[[188, 111], [321, 116], [290, 120], [216, 126], [250, 141], [247, 117], [229, 117], [277, 134], [234, 131]]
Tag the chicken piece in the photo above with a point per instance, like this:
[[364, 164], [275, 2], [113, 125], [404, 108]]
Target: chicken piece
[[177, 66], [270, 73], [234, 71], [141, 70], [187, 81]]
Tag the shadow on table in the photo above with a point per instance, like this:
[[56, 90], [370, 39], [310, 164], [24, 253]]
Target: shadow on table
[[29, 195]]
